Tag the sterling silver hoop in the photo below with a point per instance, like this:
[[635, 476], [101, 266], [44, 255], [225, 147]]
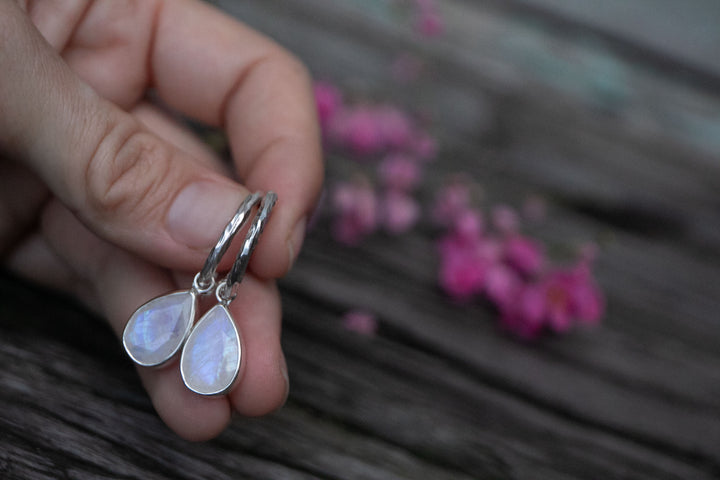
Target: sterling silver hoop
[[212, 356]]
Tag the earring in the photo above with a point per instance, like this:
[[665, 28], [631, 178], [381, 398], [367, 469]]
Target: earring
[[212, 356], [159, 328]]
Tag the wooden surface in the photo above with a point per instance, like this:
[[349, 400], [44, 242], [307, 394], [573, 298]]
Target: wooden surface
[[626, 148]]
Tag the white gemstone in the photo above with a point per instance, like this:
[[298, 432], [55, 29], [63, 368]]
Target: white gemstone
[[210, 361], [158, 329]]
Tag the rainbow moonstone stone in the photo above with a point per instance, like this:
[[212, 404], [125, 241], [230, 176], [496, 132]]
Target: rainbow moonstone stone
[[210, 361], [157, 330]]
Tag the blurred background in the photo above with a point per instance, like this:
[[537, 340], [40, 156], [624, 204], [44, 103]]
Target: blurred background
[[590, 128]]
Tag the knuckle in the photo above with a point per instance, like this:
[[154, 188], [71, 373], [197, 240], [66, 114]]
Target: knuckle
[[296, 66], [126, 174], [287, 63]]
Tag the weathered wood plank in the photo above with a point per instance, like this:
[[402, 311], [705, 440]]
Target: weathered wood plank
[[623, 156], [360, 408], [611, 401], [687, 33]]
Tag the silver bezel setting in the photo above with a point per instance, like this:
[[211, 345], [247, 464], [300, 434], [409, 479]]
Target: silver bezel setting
[[236, 369], [185, 336]]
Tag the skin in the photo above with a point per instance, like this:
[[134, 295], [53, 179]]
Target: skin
[[104, 195]]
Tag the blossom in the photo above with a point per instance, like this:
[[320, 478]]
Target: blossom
[[360, 321], [469, 225], [509, 269], [466, 259], [524, 254], [396, 127], [524, 317], [479, 256], [399, 171], [357, 130], [462, 276], [355, 206], [399, 212], [502, 285], [428, 23], [572, 295], [450, 201], [329, 102]]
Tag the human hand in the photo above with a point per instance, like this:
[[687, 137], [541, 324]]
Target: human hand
[[106, 196]]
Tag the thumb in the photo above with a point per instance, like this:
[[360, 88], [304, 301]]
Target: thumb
[[123, 182]]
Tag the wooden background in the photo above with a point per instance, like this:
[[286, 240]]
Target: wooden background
[[610, 110]]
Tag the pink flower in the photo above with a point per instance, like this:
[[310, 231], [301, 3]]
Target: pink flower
[[399, 172], [462, 277], [558, 298], [450, 201], [524, 317], [572, 295], [505, 219], [588, 301], [468, 245], [557, 302], [400, 212], [469, 225], [329, 101], [524, 254], [429, 23], [355, 208], [466, 260], [502, 285], [360, 321], [395, 126], [357, 130]]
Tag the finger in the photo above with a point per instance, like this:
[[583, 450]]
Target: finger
[[264, 385], [56, 20], [173, 132], [34, 260], [125, 183], [122, 283], [109, 48], [21, 196], [263, 98]]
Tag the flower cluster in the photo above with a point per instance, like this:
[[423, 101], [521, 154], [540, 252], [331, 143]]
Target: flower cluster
[[497, 262], [478, 259], [361, 322], [388, 141], [428, 21]]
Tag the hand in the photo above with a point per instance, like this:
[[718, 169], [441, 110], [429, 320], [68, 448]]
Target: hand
[[103, 194]]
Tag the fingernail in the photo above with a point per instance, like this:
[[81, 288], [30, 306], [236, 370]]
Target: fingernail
[[201, 211], [295, 240]]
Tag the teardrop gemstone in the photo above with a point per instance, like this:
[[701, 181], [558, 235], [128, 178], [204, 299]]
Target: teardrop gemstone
[[210, 360], [158, 329]]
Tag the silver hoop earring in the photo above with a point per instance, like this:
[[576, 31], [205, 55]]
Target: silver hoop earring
[[212, 356], [158, 329]]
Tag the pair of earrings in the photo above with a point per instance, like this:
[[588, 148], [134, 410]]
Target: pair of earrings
[[212, 348]]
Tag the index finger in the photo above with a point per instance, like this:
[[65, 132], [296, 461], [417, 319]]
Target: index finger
[[211, 67]]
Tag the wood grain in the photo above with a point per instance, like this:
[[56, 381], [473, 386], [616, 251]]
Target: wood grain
[[625, 155]]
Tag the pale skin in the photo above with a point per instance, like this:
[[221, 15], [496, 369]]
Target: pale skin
[[106, 196]]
